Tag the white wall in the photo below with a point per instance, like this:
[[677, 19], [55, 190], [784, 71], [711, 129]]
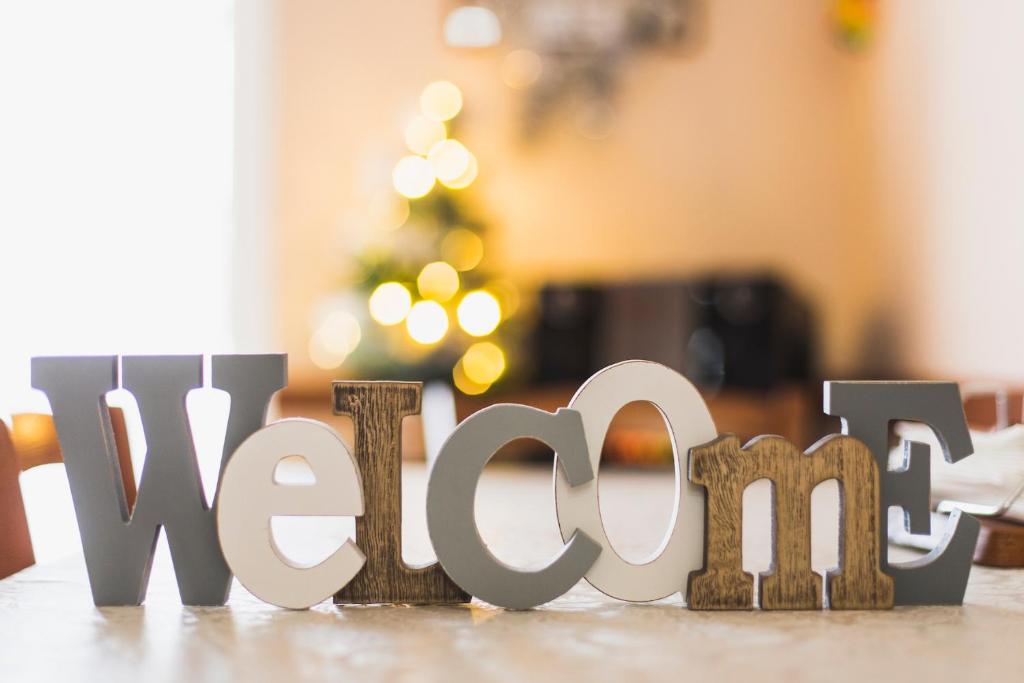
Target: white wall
[[948, 106], [115, 169]]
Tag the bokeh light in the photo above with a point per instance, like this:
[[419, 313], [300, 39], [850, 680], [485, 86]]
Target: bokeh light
[[465, 384], [463, 249], [449, 159], [479, 313], [336, 337], [467, 177], [390, 303], [388, 211], [507, 295], [427, 322], [340, 331], [413, 177], [471, 26], [33, 432], [483, 362], [438, 281], [423, 133], [441, 100], [323, 357], [521, 68]]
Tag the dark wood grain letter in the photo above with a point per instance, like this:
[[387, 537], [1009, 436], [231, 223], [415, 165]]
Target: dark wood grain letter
[[725, 470], [377, 410]]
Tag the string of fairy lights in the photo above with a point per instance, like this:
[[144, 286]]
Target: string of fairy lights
[[440, 306]]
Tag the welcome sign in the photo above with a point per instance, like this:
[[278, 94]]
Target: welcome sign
[[700, 557]]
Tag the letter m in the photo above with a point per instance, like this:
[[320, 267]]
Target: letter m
[[118, 542], [725, 471]]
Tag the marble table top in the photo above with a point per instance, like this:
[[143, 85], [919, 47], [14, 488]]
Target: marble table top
[[49, 628]]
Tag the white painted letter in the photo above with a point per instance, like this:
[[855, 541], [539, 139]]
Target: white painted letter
[[689, 424], [249, 497]]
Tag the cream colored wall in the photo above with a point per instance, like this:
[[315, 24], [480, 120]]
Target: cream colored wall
[[768, 147], [947, 101]]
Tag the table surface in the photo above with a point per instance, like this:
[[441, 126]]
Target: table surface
[[49, 626]]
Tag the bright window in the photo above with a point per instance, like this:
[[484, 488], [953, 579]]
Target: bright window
[[116, 156], [116, 218]]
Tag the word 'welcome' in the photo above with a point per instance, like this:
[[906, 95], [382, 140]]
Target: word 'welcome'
[[700, 556]]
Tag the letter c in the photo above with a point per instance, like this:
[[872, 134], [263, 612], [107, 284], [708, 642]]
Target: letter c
[[451, 493]]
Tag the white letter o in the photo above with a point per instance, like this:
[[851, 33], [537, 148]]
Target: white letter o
[[689, 423]]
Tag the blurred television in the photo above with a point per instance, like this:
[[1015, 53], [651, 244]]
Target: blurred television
[[747, 332]]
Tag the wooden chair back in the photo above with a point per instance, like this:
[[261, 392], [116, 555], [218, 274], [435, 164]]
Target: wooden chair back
[[30, 441]]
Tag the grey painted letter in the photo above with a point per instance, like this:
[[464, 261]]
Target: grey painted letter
[[451, 494], [118, 542], [866, 409]]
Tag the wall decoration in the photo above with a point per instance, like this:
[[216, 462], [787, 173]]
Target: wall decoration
[[853, 22], [377, 409], [569, 54], [725, 471]]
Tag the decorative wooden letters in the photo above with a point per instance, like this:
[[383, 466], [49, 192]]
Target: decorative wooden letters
[[377, 409], [689, 424], [725, 471], [170, 492], [249, 496], [451, 494], [702, 551], [867, 408]]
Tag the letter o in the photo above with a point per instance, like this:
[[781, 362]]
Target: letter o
[[689, 424]]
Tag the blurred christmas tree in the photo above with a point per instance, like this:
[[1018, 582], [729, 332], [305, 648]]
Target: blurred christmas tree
[[426, 305]]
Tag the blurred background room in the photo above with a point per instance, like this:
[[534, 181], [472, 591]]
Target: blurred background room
[[500, 197]]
